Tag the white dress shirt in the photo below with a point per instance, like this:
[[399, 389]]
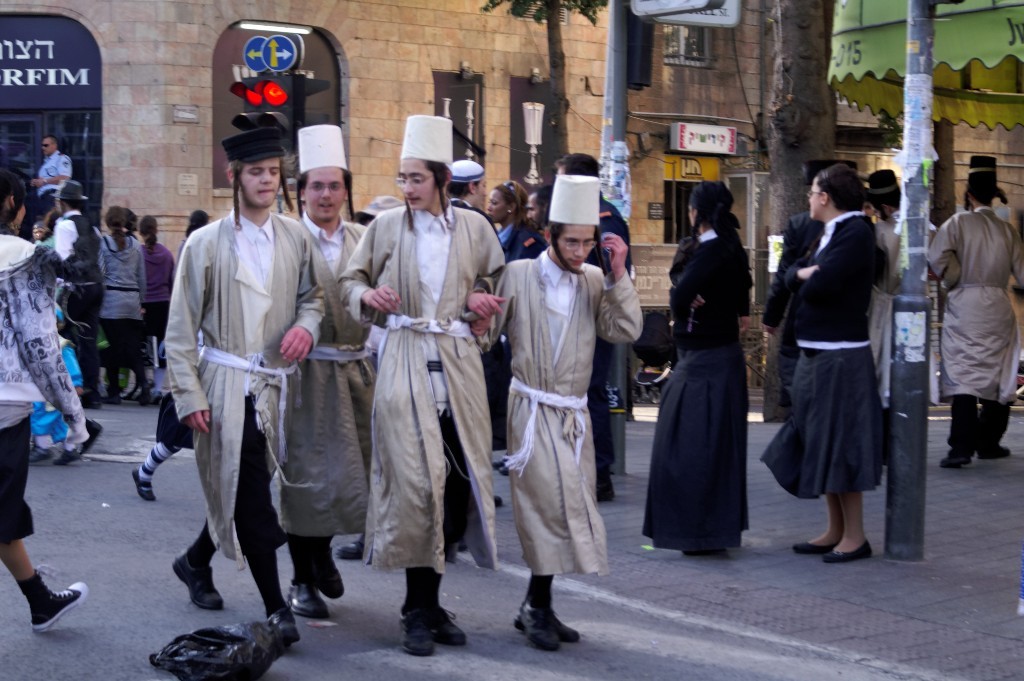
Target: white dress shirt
[[559, 291], [433, 243], [65, 234], [255, 245], [331, 246], [830, 228]]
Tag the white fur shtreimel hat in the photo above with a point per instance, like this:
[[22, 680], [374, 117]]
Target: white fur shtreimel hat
[[576, 200], [321, 146], [428, 138]]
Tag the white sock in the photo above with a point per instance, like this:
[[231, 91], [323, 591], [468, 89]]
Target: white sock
[[43, 441]]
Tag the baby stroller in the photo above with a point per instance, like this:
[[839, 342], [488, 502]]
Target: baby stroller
[[655, 349]]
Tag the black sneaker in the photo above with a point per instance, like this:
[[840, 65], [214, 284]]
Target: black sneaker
[[443, 628], [416, 636], [539, 627], [60, 603], [67, 457], [566, 634], [39, 455]]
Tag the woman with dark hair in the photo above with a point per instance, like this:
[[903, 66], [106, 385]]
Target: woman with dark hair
[[197, 219], [697, 494], [157, 299], [507, 208], [124, 275], [832, 442], [27, 319], [425, 272]]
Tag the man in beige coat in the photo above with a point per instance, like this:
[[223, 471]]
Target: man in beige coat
[[247, 284], [557, 306], [323, 482], [975, 253], [423, 271]]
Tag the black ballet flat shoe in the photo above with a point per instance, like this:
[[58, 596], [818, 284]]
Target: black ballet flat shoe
[[846, 556], [807, 547]]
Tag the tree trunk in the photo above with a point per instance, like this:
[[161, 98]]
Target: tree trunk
[[559, 118], [801, 125], [944, 187]]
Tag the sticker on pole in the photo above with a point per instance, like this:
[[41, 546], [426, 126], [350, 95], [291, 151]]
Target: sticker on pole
[[279, 53]]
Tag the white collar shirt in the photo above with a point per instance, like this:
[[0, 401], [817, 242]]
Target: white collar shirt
[[433, 243], [830, 228], [255, 245], [65, 234], [331, 246], [707, 236], [559, 290]]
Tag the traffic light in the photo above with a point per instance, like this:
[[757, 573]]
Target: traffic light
[[276, 100]]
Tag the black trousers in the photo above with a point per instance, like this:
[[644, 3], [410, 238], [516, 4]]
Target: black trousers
[[597, 404], [457, 489], [972, 431], [84, 310], [125, 338], [15, 515], [256, 520]]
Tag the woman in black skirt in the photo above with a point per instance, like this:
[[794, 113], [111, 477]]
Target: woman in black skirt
[[832, 442], [697, 495]]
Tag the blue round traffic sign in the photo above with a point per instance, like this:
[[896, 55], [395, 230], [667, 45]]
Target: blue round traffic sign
[[279, 53], [252, 53]]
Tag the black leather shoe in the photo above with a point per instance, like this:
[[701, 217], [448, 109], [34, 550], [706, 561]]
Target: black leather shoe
[[200, 584], [565, 634], [92, 400], [416, 636], [605, 490], [306, 602], [284, 621], [539, 627], [846, 556], [145, 489], [328, 579], [112, 399], [353, 551], [704, 552], [443, 629], [95, 430], [954, 461], [995, 453], [809, 548]]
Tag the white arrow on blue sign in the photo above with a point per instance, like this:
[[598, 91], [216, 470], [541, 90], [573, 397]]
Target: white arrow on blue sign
[[279, 53], [252, 53]]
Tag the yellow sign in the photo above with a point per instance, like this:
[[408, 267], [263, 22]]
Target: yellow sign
[[692, 168]]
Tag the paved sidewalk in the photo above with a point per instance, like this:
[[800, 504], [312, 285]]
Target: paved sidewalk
[[954, 612]]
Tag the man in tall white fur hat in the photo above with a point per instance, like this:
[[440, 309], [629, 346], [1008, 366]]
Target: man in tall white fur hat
[[424, 271], [323, 481], [557, 306]]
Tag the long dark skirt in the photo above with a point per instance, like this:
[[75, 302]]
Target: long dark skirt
[[697, 494], [832, 441]]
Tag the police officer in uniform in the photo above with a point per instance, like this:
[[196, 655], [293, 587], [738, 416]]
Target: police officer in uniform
[[56, 169]]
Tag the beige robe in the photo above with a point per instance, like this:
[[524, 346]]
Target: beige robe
[[886, 286], [323, 486], [554, 499], [209, 287], [405, 524], [975, 253]]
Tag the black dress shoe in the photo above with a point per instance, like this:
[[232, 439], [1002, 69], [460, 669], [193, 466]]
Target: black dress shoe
[[995, 453], [704, 552], [809, 548], [539, 627], [284, 621], [94, 430], [954, 461], [565, 634], [92, 400], [145, 489], [416, 637], [605, 490], [112, 399], [199, 582], [306, 602], [328, 579], [846, 556], [353, 551], [443, 629]]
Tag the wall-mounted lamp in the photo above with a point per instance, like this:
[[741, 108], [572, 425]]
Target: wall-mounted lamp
[[465, 70], [535, 76]]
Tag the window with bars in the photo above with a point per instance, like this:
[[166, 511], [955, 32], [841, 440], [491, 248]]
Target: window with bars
[[687, 46], [563, 13]]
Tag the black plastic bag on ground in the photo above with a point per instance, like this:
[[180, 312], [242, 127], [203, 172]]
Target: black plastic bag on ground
[[235, 652]]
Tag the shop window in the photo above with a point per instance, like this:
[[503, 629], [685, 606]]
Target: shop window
[[687, 46]]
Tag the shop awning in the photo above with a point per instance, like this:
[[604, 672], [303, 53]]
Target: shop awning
[[978, 53]]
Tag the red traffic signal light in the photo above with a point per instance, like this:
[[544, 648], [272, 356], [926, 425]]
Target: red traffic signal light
[[261, 92]]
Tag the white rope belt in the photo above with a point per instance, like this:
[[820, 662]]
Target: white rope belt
[[330, 353], [518, 460], [454, 327], [254, 364]]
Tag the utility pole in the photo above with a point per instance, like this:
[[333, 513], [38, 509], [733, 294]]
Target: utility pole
[[904, 511], [614, 155]]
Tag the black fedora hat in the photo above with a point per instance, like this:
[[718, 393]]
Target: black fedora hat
[[883, 188], [981, 176], [71, 191]]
